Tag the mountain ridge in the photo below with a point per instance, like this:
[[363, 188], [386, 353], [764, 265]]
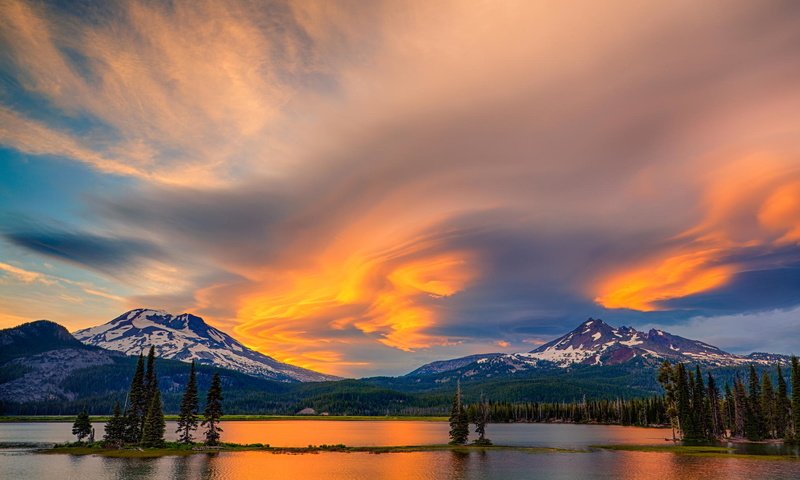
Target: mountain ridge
[[187, 337], [594, 342]]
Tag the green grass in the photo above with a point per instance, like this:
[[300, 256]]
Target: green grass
[[176, 449], [694, 450], [236, 418]]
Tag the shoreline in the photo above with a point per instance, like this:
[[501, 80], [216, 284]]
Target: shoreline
[[174, 449], [232, 418], [198, 449]]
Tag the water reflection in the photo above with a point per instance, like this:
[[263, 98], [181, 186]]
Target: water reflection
[[496, 465]]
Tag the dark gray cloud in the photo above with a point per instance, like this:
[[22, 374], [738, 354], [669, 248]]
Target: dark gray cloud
[[85, 249]]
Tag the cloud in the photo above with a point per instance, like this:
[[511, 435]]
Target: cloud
[[357, 187], [773, 330], [92, 251]]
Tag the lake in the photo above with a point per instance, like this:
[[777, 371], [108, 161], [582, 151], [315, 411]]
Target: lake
[[587, 464]]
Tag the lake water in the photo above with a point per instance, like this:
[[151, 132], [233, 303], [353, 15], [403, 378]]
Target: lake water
[[587, 464]]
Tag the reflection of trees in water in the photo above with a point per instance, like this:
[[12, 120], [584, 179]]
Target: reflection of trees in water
[[465, 465], [459, 465], [195, 467], [132, 468]]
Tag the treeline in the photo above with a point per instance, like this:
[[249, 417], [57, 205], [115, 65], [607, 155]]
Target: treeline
[[637, 412], [755, 409]]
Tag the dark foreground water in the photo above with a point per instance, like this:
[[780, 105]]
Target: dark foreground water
[[587, 464]]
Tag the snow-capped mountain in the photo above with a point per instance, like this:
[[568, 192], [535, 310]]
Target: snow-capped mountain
[[595, 342], [187, 337]]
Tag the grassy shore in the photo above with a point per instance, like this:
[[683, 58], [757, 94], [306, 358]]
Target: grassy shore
[[176, 449], [234, 418], [695, 451]]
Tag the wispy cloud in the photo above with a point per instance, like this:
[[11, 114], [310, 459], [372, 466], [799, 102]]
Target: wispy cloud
[[357, 187]]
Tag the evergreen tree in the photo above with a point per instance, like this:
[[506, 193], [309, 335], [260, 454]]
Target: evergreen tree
[[115, 427], [795, 398], [82, 427], [213, 411], [783, 407], [666, 377], [729, 412], [149, 381], [714, 411], [740, 400], [459, 424], [188, 419], [154, 425], [684, 403], [136, 407], [482, 415], [768, 406], [699, 407], [753, 427]]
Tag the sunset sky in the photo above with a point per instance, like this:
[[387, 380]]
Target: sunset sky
[[360, 187]]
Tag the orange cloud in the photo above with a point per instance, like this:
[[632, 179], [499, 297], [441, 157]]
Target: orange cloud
[[753, 202], [389, 296]]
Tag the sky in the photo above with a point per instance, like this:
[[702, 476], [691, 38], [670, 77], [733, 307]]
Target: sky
[[363, 187]]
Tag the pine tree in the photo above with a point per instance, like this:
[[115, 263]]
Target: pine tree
[[795, 398], [768, 406], [188, 420], [459, 425], [684, 403], [115, 427], [666, 377], [82, 427], [699, 407], [714, 410], [740, 400], [783, 406], [149, 380], [482, 414], [729, 412], [753, 420], [136, 406], [154, 425], [213, 411]]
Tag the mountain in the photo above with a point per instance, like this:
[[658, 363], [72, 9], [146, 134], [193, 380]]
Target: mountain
[[35, 337], [187, 337], [35, 357], [594, 342]]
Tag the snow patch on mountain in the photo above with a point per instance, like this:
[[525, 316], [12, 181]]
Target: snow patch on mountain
[[187, 337], [594, 342]]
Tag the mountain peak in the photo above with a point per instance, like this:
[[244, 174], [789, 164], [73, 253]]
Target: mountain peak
[[36, 336], [188, 337]]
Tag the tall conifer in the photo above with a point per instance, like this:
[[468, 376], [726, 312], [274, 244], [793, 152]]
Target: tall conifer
[[459, 424], [768, 407], [154, 425], [188, 419], [714, 410], [740, 405], [699, 407], [213, 411], [666, 377], [783, 406], [135, 408], [684, 403], [150, 383], [115, 427], [753, 419]]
